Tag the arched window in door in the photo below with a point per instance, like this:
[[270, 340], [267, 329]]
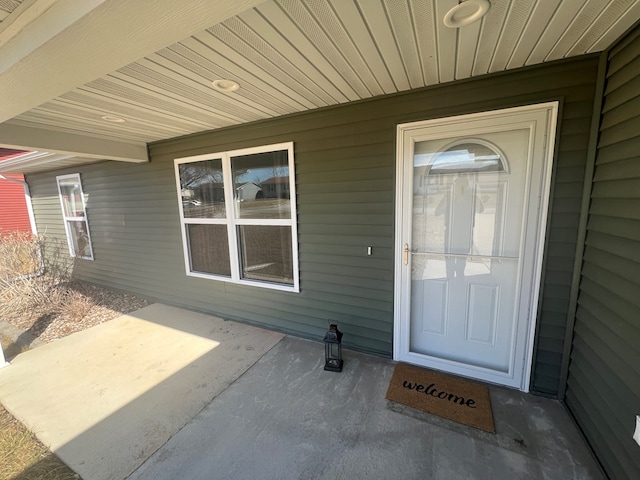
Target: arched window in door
[[469, 156]]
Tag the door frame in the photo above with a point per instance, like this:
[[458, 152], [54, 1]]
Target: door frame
[[524, 340]]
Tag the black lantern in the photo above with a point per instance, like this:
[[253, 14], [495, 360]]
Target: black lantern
[[333, 349]]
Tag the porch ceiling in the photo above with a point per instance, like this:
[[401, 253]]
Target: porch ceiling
[[66, 65]]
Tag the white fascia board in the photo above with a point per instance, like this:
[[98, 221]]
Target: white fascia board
[[109, 35], [21, 137]]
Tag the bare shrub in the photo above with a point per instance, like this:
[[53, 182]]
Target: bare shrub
[[35, 274], [75, 304], [19, 255]]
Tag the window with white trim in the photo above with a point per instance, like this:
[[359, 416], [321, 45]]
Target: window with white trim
[[74, 213], [238, 216]]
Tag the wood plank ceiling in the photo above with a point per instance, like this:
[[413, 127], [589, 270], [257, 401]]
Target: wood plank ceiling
[[295, 55]]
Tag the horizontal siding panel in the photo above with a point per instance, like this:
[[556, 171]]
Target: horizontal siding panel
[[347, 209], [627, 149], [347, 241], [614, 226], [607, 296], [612, 366], [618, 170], [347, 270], [588, 405], [615, 332], [568, 173], [624, 93], [622, 52], [603, 387], [342, 197], [624, 289], [627, 68], [627, 208], [621, 114], [621, 189], [346, 251], [623, 131], [614, 263]]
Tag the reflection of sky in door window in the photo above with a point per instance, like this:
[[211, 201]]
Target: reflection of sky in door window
[[462, 158]]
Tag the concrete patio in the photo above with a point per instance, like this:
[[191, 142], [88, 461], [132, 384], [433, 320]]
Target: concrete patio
[[165, 393]]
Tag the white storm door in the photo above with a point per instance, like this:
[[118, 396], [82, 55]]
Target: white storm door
[[472, 204]]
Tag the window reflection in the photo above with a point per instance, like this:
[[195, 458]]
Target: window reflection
[[467, 157], [458, 210], [209, 248], [262, 185], [202, 189], [266, 253], [71, 195]]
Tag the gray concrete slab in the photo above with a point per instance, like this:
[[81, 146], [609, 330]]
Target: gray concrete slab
[[286, 418], [106, 398]]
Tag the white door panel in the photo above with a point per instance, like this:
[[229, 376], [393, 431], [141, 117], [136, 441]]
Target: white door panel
[[471, 196]]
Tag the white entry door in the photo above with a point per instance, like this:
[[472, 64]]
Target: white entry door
[[472, 202]]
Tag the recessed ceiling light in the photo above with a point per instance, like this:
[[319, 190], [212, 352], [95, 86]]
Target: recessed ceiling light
[[112, 119], [466, 13], [225, 85]]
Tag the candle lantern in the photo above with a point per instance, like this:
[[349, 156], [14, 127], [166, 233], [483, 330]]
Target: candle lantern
[[333, 349]]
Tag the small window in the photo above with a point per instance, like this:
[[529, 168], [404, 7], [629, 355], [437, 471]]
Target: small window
[[468, 157], [74, 214], [238, 216]]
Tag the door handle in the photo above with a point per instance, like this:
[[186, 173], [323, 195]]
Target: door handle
[[406, 254]]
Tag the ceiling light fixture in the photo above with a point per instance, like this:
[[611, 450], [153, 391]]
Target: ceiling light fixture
[[466, 13], [112, 119], [225, 85]]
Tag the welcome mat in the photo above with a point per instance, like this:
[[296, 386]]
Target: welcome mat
[[450, 397]]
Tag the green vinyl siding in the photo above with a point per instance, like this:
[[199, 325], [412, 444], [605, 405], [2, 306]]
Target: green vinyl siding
[[345, 159], [603, 385]]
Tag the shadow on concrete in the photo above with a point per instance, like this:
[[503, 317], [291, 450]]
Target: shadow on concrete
[[12, 347], [26, 338], [12, 350]]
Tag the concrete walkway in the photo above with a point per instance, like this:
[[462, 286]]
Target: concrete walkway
[[245, 403], [106, 398]]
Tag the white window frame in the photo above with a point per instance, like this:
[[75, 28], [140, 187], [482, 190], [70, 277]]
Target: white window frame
[[68, 220], [232, 222]]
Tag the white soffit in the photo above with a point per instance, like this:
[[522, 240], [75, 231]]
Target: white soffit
[[286, 56]]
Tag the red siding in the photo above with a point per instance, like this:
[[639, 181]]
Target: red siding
[[13, 206]]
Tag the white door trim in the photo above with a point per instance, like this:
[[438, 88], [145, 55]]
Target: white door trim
[[525, 340]]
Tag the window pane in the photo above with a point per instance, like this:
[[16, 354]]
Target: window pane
[[202, 189], [71, 197], [80, 238], [209, 248], [266, 253], [261, 183]]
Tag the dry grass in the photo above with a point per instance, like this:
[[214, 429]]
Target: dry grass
[[23, 457]]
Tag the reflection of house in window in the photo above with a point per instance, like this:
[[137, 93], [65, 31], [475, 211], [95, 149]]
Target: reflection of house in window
[[248, 191], [209, 192], [275, 187]]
